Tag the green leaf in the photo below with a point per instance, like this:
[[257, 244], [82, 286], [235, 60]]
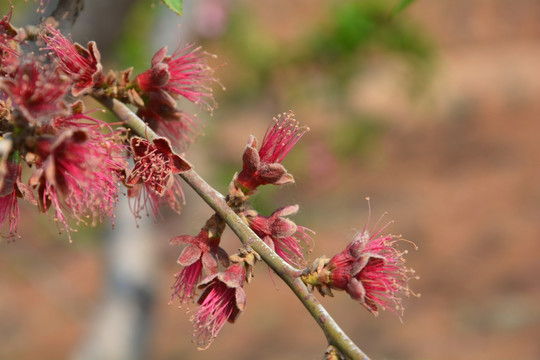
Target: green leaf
[[174, 5], [402, 5]]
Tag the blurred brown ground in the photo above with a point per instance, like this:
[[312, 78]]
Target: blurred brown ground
[[458, 170]]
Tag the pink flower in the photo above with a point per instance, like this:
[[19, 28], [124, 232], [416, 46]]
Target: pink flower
[[222, 299], [152, 176], [184, 74], [202, 253], [77, 175], [37, 90], [264, 166], [10, 190], [282, 235], [370, 270], [81, 65]]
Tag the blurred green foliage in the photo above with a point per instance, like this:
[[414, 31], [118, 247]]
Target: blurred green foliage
[[132, 49], [355, 136], [361, 26], [352, 30]]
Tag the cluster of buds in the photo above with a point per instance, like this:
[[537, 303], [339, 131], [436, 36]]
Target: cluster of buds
[[76, 164]]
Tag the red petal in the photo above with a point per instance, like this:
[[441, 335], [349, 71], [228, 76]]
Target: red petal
[[179, 164], [282, 227], [163, 145], [234, 276], [140, 146], [209, 263], [183, 239], [190, 254]]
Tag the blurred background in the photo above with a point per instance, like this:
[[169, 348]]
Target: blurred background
[[432, 112]]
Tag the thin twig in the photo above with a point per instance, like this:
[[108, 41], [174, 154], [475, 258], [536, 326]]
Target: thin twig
[[334, 334]]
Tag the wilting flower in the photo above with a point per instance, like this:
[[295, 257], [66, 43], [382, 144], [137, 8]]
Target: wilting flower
[[81, 65], [152, 176], [222, 299], [184, 74], [77, 173], [282, 235], [200, 255], [370, 270], [37, 90], [264, 166]]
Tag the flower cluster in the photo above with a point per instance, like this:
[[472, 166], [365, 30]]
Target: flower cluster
[[73, 163], [76, 164], [199, 256], [58, 158], [222, 296]]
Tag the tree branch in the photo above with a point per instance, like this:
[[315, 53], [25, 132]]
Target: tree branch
[[68, 10], [334, 334]]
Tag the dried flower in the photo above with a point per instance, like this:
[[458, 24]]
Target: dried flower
[[81, 65], [264, 166], [200, 255], [152, 175], [370, 270], [222, 299], [281, 234]]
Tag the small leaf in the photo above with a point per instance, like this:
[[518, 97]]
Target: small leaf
[[174, 5], [402, 5]]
